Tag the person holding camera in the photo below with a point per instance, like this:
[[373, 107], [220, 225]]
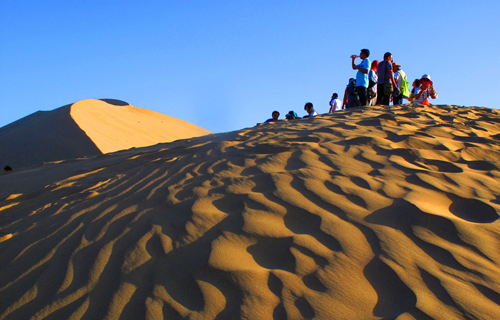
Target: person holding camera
[[425, 91], [362, 75]]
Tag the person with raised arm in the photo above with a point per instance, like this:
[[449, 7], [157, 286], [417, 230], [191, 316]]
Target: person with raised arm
[[362, 75], [425, 91]]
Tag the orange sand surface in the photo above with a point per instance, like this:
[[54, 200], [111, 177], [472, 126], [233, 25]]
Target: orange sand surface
[[87, 128], [371, 213]]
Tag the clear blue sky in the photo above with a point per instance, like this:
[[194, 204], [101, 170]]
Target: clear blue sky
[[226, 65]]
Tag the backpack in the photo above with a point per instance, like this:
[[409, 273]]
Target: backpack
[[351, 88], [405, 85], [372, 79]]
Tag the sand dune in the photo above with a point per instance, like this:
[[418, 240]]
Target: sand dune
[[87, 128], [372, 213]]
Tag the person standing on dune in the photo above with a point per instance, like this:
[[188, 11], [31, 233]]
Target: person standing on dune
[[371, 92], [362, 75], [385, 76], [399, 75], [350, 96]]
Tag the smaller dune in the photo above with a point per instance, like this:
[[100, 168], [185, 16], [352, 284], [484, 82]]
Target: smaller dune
[[87, 128]]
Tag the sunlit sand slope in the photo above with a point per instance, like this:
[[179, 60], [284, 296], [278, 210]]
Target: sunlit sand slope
[[374, 213], [114, 125]]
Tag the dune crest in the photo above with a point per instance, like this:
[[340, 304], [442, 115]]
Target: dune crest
[[371, 213], [87, 128]]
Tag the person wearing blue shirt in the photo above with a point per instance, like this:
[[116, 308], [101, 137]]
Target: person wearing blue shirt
[[275, 116], [362, 75], [292, 115]]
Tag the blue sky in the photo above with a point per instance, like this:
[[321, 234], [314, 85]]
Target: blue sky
[[226, 65]]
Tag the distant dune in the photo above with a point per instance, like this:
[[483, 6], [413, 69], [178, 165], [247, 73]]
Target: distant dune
[[370, 213], [87, 128]]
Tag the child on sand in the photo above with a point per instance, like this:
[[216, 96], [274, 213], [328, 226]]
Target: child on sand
[[414, 91]]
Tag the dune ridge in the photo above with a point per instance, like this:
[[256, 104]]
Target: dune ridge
[[44, 136], [85, 129], [372, 213]]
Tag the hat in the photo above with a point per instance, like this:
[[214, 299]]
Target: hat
[[291, 114], [395, 65], [426, 76]]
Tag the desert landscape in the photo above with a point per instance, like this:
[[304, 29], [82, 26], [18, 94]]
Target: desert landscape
[[383, 212]]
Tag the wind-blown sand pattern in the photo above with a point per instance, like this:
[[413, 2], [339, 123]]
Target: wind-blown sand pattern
[[372, 213], [87, 128]]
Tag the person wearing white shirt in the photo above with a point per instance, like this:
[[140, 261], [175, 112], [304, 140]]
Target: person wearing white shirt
[[310, 110], [335, 103]]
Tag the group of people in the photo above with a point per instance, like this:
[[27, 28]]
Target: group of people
[[381, 83], [292, 115], [376, 83]]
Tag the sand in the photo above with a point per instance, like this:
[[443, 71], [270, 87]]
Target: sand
[[371, 213], [85, 129]]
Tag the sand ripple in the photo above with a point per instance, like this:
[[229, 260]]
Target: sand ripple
[[384, 212]]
